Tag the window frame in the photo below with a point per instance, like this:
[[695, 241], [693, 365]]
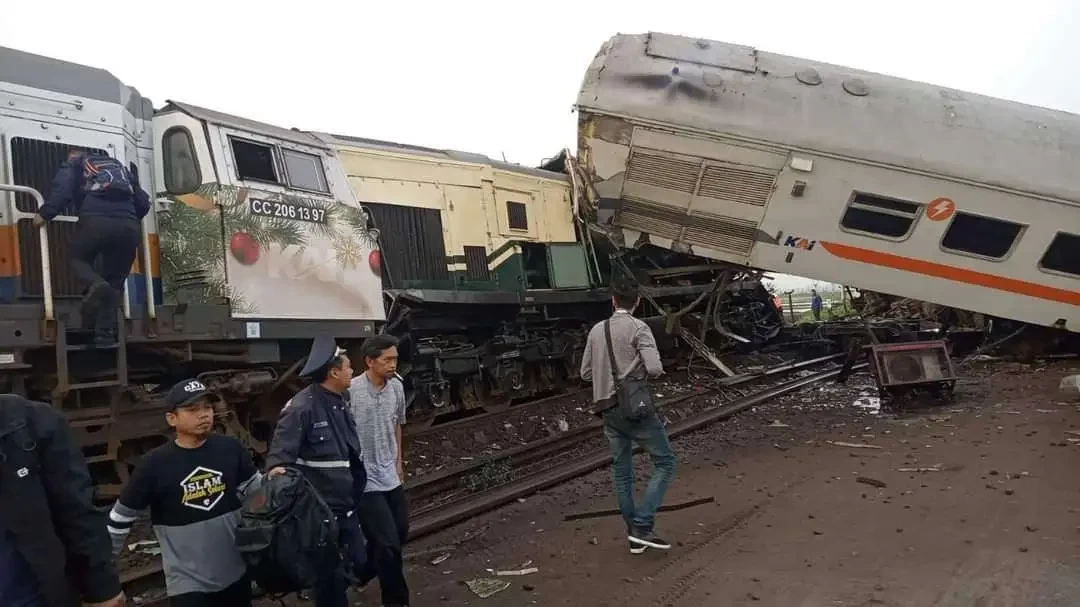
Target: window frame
[[1051, 271], [1008, 253], [288, 180], [525, 208], [274, 157], [852, 202], [165, 156]]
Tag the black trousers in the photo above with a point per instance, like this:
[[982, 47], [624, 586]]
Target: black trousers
[[330, 589], [116, 241], [237, 595], [384, 518]]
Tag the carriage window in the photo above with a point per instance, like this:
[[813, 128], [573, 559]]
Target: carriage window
[[181, 169], [254, 160], [517, 217], [880, 216], [1063, 254], [304, 171], [979, 235]]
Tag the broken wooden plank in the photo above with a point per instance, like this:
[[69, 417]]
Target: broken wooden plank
[[852, 445], [873, 482], [616, 512]]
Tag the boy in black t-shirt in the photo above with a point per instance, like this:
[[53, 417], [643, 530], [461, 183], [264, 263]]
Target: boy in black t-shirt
[[194, 488]]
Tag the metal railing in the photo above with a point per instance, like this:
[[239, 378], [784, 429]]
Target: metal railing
[[46, 264], [46, 261]]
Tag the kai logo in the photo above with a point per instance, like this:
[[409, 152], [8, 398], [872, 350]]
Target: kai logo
[[798, 242], [194, 386], [203, 489]]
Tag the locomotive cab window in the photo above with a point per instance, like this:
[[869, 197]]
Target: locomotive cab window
[[517, 217], [1063, 254], [181, 168], [982, 236], [304, 171], [880, 216], [254, 161]]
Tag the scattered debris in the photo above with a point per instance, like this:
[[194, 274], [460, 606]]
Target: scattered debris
[[934, 468], [1070, 384], [487, 587], [852, 445], [442, 557], [869, 403], [149, 547], [873, 482], [616, 512], [778, 424], [511, 572]]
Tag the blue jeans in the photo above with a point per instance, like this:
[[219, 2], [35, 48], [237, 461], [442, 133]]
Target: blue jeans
[[650, 434]]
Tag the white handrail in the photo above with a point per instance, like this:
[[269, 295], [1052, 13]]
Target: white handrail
[[151, 308], [46, 265]]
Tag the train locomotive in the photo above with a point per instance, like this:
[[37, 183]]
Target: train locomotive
[[261, 237], [754, 159]]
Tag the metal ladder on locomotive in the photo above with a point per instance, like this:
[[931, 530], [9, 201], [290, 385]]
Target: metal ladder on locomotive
[[55, 327]]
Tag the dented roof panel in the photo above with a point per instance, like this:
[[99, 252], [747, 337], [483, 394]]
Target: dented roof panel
[[728, 89]]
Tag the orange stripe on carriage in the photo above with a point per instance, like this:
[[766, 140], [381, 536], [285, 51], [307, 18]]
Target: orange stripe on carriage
[[10, 264], [953, 273], [155, 258]]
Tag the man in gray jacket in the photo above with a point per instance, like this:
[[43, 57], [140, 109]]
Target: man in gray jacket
[[636, 356]]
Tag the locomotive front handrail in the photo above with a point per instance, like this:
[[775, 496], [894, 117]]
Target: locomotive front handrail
[[151, 307], [46, 265]]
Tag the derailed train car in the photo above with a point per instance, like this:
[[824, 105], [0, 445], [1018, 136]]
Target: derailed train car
[[790, 165], [487, 279]]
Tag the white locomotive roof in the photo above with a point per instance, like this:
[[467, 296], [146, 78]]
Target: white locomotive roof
[[66, 78], [737, 90], [245, 124], [454, 155]]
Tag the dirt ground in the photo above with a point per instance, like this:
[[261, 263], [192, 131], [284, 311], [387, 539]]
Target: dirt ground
[[989, 520]]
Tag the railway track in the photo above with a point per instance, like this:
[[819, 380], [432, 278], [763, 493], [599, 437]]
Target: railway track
[[441, 500], [553, 461]]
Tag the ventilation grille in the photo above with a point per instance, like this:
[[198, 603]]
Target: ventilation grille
[[34, 163], [721, 233], [64, 282], [663, 172], [736, 185], [746, 185], [724, 233]]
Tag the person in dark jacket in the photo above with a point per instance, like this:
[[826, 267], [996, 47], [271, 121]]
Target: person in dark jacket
[[110, 204], [54, 550], [815, 304], [316, 434]]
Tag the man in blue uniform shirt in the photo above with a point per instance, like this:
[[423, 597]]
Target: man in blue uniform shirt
[[317, 435]]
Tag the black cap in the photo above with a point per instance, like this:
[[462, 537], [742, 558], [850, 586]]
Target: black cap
[[185, 393], [323, 350]]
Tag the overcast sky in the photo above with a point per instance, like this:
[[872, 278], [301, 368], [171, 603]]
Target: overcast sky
[[501, 77]]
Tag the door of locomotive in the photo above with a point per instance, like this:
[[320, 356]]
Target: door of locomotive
[[32, 153]]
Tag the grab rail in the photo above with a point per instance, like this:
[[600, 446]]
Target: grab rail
[[46, 265]]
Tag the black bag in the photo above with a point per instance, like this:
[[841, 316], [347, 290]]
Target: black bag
[[287, 534], [632, 399]]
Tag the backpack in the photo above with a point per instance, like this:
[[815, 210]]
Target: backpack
[[105, 176], [287, 534]]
